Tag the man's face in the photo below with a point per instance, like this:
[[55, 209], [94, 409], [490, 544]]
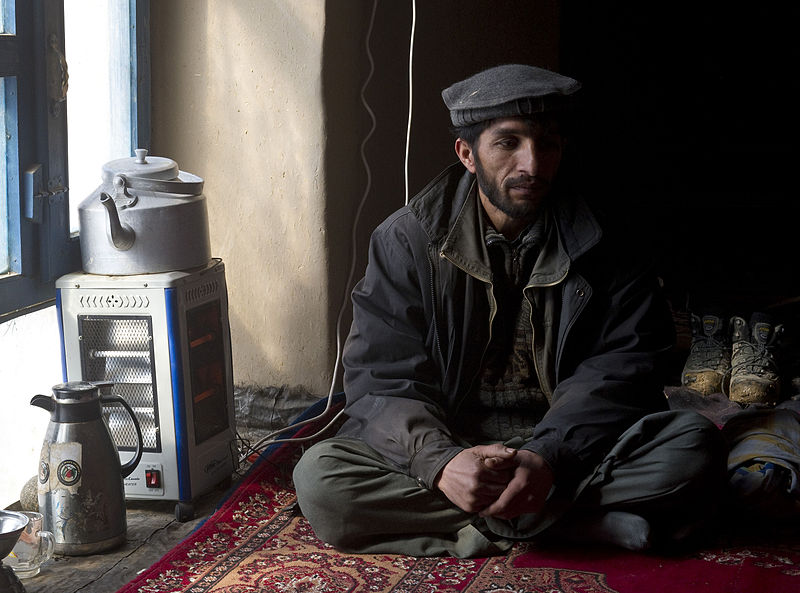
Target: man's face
[[515, 162]]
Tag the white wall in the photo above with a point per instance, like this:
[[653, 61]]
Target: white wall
[[236, 96], [30, 363]]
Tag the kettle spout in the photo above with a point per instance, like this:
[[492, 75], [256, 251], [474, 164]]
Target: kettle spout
[[122, 235]]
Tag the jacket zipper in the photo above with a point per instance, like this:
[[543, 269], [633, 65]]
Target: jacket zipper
[[432, 264], [545, 385], [492, 313], [583, 290]]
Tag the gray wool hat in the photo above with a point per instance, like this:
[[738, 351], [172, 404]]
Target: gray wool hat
[[507, 91]]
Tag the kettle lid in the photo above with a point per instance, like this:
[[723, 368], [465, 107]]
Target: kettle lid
[[150, 173], [75, 391], [142, 166]]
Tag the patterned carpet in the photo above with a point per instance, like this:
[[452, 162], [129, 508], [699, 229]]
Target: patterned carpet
[[258, 542]]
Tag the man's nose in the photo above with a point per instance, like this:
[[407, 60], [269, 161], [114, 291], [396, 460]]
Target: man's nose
[[528, 158]]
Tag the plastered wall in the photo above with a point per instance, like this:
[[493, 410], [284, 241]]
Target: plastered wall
[[236, 99]]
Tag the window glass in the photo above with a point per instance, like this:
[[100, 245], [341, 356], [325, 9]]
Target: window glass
[[7, 27], [98, 51], [7, 24], [3, 182]]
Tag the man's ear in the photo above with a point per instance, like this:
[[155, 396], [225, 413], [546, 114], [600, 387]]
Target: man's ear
[[465, 154]]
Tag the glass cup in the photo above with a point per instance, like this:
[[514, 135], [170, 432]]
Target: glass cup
[[34, 548]]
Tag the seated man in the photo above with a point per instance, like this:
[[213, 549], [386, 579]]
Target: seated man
[[503, 372]]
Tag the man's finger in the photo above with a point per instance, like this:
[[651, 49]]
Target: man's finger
[[495, 450], [499, 462]]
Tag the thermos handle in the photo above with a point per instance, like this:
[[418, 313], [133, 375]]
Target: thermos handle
[[127, 468]]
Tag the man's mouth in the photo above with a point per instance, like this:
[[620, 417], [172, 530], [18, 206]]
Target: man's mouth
[[535, 184], [529, 188]]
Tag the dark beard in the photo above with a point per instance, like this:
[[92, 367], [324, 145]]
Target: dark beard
[[518, 211]]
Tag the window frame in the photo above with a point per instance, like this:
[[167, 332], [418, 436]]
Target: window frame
[[41, 247]]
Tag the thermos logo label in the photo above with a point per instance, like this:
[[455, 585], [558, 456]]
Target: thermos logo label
[[60, 467], [44, 472], [69, 472]]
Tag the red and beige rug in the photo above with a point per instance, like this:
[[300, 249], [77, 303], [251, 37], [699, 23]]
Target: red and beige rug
[[257, 542]]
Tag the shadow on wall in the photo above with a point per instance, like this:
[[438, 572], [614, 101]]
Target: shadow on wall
[[452, 39]]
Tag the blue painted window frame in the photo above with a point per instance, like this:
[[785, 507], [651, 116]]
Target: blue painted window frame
[[41, 247]]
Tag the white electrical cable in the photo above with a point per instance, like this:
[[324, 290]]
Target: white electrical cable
[[268, 439], [410, 85]]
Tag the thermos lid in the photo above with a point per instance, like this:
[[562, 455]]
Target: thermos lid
[[75, 391]]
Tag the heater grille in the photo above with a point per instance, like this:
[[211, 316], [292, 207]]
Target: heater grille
[[202, 291], [119, 350]]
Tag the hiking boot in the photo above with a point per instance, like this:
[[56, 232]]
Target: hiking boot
[[754, 370], [709, 361]]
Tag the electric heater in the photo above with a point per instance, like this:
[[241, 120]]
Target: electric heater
[[163, 343]]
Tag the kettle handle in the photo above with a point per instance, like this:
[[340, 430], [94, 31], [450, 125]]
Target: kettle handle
[[127, 468], [187, 184]]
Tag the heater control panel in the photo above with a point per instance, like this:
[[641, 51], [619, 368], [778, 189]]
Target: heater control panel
[[146, 478]]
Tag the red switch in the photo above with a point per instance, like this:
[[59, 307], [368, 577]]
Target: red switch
[[152, 478]]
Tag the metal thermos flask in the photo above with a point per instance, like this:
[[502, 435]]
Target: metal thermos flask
[[80, 486]]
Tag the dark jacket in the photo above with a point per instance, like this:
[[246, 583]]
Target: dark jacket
[[422, 320]]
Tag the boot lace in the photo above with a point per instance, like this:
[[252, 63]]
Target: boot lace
[[706, 352], [753, 359]]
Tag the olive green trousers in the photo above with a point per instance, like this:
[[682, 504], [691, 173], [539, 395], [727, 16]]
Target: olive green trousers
[[669, 465]]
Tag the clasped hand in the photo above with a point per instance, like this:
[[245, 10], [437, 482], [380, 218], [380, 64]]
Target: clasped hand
[[496, 481]]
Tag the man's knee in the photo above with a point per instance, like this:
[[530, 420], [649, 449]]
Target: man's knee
[[705, 441], [665, 454], [319, 494], [313, 475], [692, 456]]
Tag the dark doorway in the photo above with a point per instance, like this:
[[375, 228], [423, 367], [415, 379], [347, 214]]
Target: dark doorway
[[689, 133]]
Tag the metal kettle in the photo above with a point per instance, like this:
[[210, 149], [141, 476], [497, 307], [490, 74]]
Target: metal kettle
[[146, 217], [80, 486]]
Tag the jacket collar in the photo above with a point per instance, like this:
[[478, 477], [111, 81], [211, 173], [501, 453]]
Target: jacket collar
[[464, 245], [575, 232]]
